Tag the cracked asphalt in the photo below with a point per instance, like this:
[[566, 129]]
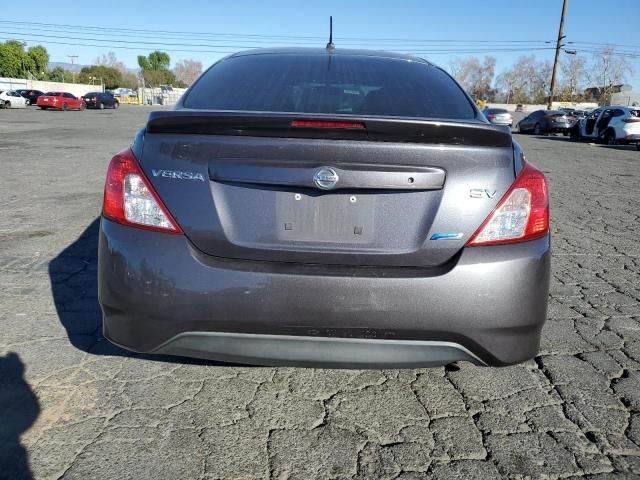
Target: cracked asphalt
[[72, 406]]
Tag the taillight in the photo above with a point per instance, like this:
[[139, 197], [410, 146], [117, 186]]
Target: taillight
[[327, 124], [521, 215], [129, 198], [490, 117]]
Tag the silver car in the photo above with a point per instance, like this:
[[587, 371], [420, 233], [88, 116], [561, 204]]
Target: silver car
[[498, 116], [335, 208]]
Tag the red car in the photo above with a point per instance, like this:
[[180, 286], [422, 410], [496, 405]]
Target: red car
[[60, 101]]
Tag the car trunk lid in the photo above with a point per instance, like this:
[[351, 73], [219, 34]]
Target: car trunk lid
[[407, 192]]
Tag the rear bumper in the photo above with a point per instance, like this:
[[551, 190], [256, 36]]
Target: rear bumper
[[159, 294]]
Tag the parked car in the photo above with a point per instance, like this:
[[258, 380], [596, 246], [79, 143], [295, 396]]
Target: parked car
[[542, 122], [499, 116], [30, 95], [100, 100], [572, 114], [60, 101], [325, 207], [13, 99], [610, 125], [521, 108]]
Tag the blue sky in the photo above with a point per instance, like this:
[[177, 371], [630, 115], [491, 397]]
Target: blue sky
[[464, 20]]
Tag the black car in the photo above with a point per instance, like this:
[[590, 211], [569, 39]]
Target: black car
[[31, 95], [100, 100], [542, 122]]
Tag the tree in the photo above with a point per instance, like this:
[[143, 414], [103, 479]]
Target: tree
[[110, 60], [187, 71], [109, 76], [475, 78], [155, 69], [155, 78], [608, 69], [15, 61], [526, 81], [59, 74], [40, 59], [155, 61], [11, 59], [129, 78], [573, 76]]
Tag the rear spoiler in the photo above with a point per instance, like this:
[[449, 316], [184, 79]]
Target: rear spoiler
[[260, 124]]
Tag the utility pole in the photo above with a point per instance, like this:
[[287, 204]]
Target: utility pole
[[558, 46], [73, 74]]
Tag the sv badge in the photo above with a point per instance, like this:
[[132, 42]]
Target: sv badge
[[482, 193]]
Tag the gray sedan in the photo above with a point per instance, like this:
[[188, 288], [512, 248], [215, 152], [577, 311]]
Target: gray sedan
[[335, 208], [498, 116]]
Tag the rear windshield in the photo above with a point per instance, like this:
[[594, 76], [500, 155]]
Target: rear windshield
[[496, 110], [555, 114], [330, 84], [52, 94]]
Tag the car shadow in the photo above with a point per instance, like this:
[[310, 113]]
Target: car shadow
[[74, 285], [619, 147], [19, 409], [586, 142], [553, 137]]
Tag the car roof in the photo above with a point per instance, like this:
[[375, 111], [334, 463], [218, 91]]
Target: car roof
[[324, 51]]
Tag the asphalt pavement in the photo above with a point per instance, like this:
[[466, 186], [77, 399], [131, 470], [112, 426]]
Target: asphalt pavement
[[73, 406]]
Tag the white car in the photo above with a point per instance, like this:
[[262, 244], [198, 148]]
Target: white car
[[611, 125], [13, 99]]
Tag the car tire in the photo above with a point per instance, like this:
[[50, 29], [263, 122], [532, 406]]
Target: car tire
[[638, 146], [65, 107], [537, 130], [609, 137], [100, 106], [116, 105], [7, 104], [43, 108]]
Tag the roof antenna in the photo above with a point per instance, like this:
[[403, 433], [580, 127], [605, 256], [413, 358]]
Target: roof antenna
[[330, 45]]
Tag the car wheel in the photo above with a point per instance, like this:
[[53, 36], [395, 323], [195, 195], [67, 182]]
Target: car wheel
[[7, 104], [101, 106], [65, 107], [537, 130], [609, 137], [43, 108], [116, 105], [638, 146]]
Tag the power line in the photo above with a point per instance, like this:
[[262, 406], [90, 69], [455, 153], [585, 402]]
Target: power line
[[204, 48], [412, 44], [156, 33]]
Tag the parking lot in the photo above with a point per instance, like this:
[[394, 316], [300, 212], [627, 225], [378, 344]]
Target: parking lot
[[73, 406]]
